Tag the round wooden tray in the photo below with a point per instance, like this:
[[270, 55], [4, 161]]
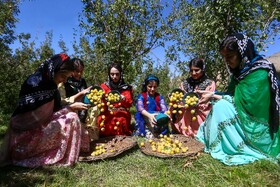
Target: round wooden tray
[[114, 145], [194, 146]]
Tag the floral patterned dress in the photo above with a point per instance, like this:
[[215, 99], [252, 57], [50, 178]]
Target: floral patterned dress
[[185, 124], [56, 142]]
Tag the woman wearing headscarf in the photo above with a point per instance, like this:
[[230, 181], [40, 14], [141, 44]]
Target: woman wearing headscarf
[[243, 125], [149, 104], [75, 88], [191, 118], [115, 119], [41, 132]]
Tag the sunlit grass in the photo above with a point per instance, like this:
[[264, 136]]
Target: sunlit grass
[[133, 168]]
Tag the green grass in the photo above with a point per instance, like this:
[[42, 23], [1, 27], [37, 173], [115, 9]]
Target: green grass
[[133, 168]]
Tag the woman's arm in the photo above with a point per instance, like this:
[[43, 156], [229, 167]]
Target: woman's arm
[[140, 108], [67, 100], [126, 98], [206, 96]]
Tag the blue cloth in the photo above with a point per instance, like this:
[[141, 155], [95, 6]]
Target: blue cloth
[[140, 127]]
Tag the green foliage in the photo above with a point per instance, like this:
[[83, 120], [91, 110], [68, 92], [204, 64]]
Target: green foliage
[[197, 28], [124, 31], [127, 30], [161, 71], [9, 9], [8, 12]]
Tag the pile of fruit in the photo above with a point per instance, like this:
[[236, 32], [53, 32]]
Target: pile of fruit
[[113, 97], [191, 100], [100, 149], [166, 145], [95, 96], [176, 103]]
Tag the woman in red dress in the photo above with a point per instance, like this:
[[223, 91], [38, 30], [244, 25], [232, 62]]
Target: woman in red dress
[[115, 118]]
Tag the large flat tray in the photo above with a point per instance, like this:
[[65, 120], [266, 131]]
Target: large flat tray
[[194, 146], [114, 145]]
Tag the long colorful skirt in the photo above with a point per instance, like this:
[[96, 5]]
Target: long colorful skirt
[[227, 140]]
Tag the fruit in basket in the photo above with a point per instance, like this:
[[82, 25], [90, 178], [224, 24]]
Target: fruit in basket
[[191, 100], [176, 96], [95, 96], [113, 97]]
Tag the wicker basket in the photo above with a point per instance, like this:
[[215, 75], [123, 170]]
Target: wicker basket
[[193, 145], [114, 145], [86, 99]]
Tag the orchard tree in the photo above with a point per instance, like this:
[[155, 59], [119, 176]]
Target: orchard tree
[[8, 13], [198, 26], [124, 31]]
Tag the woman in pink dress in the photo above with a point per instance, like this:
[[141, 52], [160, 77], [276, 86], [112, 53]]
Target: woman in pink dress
[[188, 123], [40, 131]]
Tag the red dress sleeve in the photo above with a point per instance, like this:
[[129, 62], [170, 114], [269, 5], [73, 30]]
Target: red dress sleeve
[[127, 102], [105, 88]]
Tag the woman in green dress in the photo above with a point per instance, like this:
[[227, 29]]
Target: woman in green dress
[[243, 125]]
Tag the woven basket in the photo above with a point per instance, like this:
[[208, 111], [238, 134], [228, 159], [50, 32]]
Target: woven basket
[[86, 99], [116, 144], [191, 94], [114, 92], [193, 145]]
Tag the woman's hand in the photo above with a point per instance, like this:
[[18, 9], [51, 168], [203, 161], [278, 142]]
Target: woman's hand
[[152, 118], [86, 91], [78, 97], [78, 106], [205, 96]]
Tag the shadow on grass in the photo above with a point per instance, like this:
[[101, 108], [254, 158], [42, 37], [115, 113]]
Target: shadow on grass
[[20, 176]]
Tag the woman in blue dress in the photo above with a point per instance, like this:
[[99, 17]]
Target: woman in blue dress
[[243, 125], [149, 104]]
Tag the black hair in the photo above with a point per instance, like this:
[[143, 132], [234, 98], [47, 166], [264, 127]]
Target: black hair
[[115, 65], [78, 63], [197, 62]]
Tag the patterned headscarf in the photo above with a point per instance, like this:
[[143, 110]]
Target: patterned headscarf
[[40, 88], [190, 84], [251, 61]]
